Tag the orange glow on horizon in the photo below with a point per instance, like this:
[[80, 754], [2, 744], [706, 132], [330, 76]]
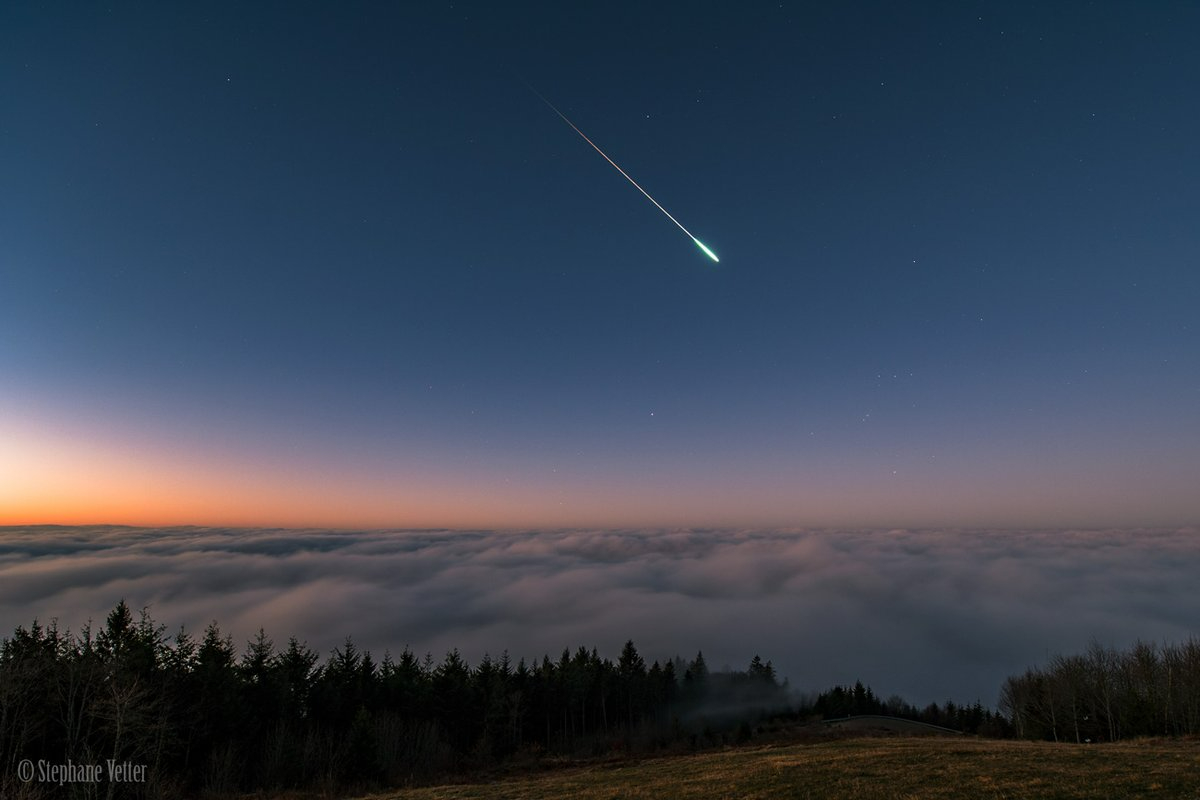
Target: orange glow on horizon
[[54, 476]]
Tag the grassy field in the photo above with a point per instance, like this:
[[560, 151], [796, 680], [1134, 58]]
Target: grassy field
[[870, 768]]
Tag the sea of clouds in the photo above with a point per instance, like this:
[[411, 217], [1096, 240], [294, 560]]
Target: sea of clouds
[[927, 614]]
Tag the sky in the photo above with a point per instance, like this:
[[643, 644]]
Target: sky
[[336, 265], [330, 283]]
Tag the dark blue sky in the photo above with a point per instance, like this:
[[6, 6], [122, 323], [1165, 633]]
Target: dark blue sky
[[336, 264]]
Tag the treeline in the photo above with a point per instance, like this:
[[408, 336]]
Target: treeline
[[849, 701], [205, 719], [1107, 694]]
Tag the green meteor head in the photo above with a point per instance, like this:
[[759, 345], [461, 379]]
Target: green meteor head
[[707, 252]]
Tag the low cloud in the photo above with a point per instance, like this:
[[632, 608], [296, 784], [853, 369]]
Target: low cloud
[[926, 614]]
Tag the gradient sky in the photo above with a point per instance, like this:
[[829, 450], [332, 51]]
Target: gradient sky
[[335, 265]]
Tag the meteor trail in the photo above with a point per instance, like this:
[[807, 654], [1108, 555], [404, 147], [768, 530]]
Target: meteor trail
[[699, 243]]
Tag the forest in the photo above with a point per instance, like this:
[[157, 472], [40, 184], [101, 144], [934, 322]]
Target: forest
[[1105, 694], [206, 719]]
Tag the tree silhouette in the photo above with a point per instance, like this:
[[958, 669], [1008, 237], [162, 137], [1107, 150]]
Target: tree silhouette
[[207, 720]]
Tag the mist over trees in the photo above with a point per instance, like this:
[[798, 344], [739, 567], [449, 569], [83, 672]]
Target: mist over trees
[[1105, 695], [206, 718]]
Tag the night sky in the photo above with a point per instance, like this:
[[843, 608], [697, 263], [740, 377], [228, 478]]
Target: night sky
[[336, 265]]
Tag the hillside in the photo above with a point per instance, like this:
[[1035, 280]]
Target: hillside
[[871, 768], [881, 725]]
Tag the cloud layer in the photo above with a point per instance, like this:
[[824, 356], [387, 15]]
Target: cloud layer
[[926, 614]]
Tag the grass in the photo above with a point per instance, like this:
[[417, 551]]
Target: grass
[[888, 769]]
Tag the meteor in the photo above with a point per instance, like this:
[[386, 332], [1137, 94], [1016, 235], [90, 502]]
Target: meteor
[[699, 243]]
